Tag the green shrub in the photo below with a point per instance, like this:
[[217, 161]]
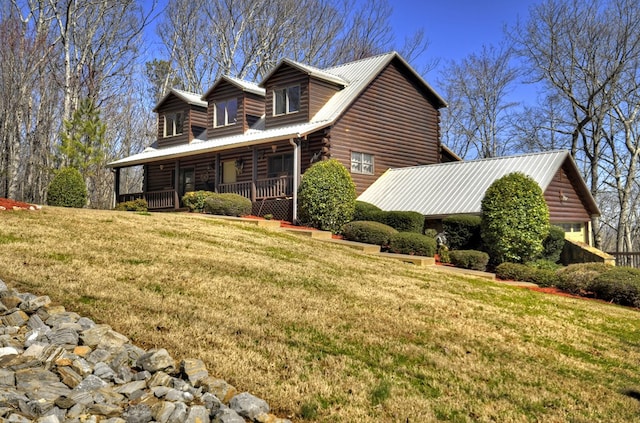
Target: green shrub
[[405, 221], [67, 189], [368, 232], [412, 243], [620, 285], [514, 271], [469, 259], [327, 196], [368, 212], [545, 265], [195, 200], [139, 205], [553, 244], [577, 278], [227, 205], [515, 219], [526, 273], [462, 232]]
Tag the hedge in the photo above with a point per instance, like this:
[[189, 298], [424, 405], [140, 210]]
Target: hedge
[[139, 205], [620, 285], [412, 243], [577, 278], [405, 221], [227, 205], [368, 232], [469, 259], [368, 212], [195, 200], [462, 232], [553, 244]]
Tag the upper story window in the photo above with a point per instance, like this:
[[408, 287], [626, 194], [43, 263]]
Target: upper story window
[[361, 163], [226, 112], [286, 100], [173, 123]]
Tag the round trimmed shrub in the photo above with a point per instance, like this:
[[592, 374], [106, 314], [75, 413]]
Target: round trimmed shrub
[[67, 189], [405, 221], [469, 259], [462, 231], [368, 232], [515, 219], [412, 243], [514, 272], [227, 205], [620, 285], [577, 278], [553, 244], [326, 196], [369, 212], [195, 200]]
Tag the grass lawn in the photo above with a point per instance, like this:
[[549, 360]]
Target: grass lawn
[[324, 333]]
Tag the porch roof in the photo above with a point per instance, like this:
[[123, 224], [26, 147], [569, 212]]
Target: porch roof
[[249, 138]]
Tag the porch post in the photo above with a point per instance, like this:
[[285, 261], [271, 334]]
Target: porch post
[[176, 195], [116, 186], [254, 173], [296, 176], [216, 178]]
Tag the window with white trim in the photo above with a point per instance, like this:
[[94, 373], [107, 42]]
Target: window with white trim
[[226, 112], [173, 123], [361, 163], [286, 100]]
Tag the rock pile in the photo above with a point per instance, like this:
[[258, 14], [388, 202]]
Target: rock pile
[[56, 366]]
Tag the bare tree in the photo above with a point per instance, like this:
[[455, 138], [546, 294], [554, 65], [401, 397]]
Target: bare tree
[[477, 90], [581, 50]]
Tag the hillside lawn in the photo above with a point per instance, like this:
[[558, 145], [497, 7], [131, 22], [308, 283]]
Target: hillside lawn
[[325, 333]]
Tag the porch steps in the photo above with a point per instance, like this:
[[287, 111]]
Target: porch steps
[[360, 246], [420, 261]]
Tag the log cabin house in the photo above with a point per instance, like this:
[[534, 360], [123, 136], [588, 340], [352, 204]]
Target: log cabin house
[[461, 186], [257, 139]]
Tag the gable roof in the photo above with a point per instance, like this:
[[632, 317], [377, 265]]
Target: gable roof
[[309, 70], [186, 96], [239, 83], [445, 189], [356, 76]]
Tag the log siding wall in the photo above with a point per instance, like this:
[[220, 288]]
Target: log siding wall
[[194, 117], [287, 77], [573, 208], [394, 121]]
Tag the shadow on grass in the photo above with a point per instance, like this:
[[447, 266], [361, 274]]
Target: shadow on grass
[[632, 393]]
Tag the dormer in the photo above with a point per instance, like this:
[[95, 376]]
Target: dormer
[[234, 106], [296, 92], [182, 117]]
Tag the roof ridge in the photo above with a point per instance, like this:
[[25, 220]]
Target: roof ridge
[[375, 56]]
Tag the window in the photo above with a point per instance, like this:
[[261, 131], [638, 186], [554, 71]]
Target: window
[[361, 163], [173, 124], [279, 165], [226, 112], [286, 100]]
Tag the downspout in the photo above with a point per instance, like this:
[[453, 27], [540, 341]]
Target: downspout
[[296, 176]]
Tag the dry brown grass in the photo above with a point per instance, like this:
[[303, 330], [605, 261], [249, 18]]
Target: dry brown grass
[[324, 333]]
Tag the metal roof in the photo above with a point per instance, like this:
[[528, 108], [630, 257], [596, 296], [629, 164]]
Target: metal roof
[[240, 83], [186, 96], [355, 77], [249, 138], [309, 70], [458, 187]]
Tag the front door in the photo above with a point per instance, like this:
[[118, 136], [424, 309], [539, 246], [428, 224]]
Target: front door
[[229, 172], [187, 180]]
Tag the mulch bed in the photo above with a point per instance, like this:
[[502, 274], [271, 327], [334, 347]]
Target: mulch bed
[[8, 205]]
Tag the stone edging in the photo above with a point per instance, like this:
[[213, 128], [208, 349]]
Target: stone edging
[[56, 366]]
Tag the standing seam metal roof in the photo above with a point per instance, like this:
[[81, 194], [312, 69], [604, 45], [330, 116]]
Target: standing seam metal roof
[[456, 187]]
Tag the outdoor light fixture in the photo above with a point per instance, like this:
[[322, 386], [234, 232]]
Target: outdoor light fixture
[[274, 148]]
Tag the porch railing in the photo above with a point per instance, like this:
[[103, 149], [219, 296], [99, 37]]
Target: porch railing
[[167, 199], [278, 187], [630, 259], [267, 188]]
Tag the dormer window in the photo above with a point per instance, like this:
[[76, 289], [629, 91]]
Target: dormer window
[[173, 124], [286, 100], [226, 112]]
